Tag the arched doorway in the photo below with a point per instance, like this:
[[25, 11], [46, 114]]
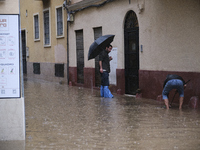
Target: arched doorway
[[131, 53]]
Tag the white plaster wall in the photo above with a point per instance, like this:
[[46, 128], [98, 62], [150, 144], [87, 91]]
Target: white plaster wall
[[169, 33], [168, 30], [12, 126], [12, 145], [111, 18]]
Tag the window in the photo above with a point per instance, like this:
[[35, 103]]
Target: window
[[36, 27], [46, 28], [59, 21], [36, 68], [59, 70]]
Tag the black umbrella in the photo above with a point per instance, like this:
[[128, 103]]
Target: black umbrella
[[98, 45]]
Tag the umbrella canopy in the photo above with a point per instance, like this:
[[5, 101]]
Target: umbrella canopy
[[98, 45]]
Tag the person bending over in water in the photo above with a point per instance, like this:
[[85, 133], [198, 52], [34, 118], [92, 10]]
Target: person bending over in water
[[173, 82]]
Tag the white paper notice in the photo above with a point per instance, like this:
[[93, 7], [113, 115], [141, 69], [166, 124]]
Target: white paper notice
[[9, 56], [113, 66]]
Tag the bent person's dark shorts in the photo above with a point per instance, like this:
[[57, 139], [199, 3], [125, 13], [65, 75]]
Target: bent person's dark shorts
[[173, 84]]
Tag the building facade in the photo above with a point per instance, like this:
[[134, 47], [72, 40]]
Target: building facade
[[44, 42], [152, 39], [12, 106]]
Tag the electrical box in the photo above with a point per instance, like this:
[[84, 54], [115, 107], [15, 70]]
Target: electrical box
[[27, 51]]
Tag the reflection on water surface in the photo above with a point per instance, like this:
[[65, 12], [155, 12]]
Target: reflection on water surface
[[64, 118]]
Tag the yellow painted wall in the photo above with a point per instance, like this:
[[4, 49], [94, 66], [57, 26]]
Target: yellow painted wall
[[9, 7], [57, 51]]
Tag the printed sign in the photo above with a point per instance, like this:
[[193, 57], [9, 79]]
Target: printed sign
[[4, 23], [113, 66], [9, 56]]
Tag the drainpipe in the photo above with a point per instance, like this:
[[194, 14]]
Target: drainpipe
[[64, 5], [68, 52]]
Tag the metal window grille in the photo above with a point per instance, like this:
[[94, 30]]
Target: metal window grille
[[36, 68], [131, 20], [59, 70], [59, 22], [46, 28], [36, 23]]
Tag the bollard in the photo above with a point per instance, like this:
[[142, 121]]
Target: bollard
[[194, 102]]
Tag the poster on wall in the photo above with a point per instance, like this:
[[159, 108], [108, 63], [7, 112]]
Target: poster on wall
[[9, 56], [113, 66]]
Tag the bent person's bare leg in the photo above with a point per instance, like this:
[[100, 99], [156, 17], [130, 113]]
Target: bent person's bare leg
[[166, 103], [181, 102]]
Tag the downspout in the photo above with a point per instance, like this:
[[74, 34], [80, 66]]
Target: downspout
[[67, 52], [64, 5]]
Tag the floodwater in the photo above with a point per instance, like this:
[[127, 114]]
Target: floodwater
[[61, 117]]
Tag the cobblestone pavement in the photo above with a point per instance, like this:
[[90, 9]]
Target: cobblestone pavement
[[61, 117]]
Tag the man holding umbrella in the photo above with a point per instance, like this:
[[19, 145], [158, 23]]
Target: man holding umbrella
[[102, 47], [104, 64]]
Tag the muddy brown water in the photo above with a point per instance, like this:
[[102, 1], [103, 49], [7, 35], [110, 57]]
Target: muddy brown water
[[60, 117]]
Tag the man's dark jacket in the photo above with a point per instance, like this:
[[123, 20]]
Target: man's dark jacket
[[104, 57]]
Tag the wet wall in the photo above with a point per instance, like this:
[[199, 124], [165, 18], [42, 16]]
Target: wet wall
[[151, 84]]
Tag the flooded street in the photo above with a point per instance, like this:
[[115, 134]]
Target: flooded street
[[60, 117]]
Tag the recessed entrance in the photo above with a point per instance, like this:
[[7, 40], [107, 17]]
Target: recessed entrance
[[23, 36], [80, 56], [131, 39], [97, 34]]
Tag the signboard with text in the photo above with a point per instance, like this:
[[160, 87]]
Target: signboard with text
[[113, 66], [9, 56]]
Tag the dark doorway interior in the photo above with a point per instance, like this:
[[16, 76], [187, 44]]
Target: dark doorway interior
[[80, 56], [131, 38], [97, 34], [59, 70], [23, 36]]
